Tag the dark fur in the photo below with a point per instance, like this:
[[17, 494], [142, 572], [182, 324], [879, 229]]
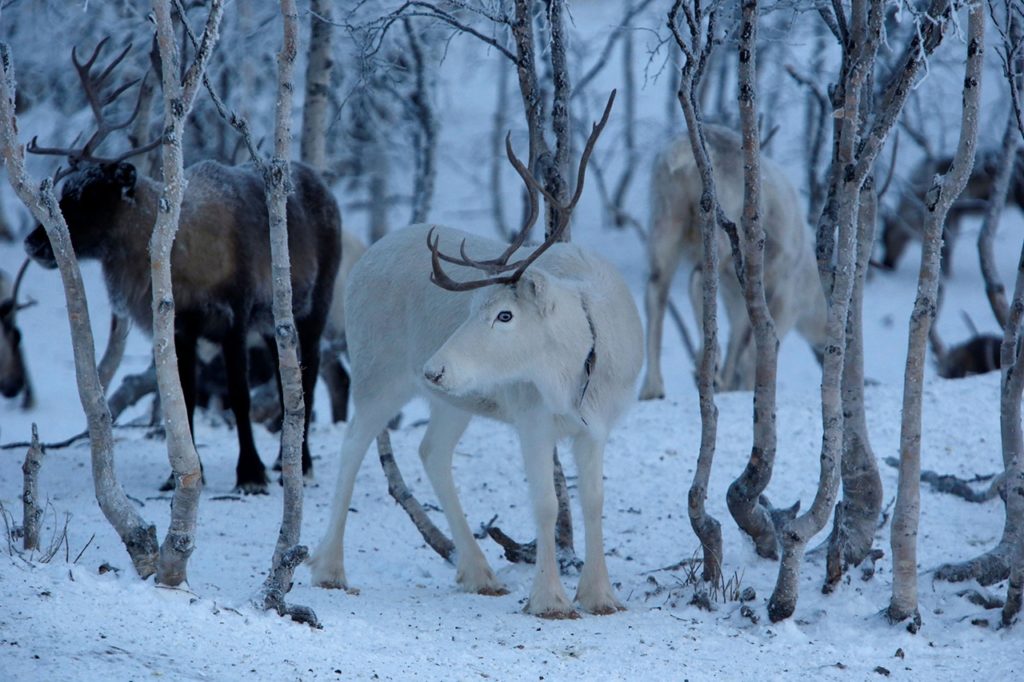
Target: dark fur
[[905, 223], [977, 355], [13, 373], [220, 268]]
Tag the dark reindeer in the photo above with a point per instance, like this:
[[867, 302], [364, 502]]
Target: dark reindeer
[[904, 223], [13, 372], [220, 262]]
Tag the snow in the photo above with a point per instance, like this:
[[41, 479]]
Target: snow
[[67, 620]]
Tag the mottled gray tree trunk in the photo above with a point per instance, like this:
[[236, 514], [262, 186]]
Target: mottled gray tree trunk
[[313, 149], [696, 50], [940, 197], [179, 96], [138, 536]]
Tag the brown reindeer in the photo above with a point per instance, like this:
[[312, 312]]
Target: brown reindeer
[[904, 223], [220, 262], [14, 378]]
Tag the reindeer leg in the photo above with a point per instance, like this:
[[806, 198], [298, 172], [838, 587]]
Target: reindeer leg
[[594, 592], [447, 423], [327, 563], [547, 597], [337, 380], [663, 263], [185, 338], [309, 330], [250, 474]]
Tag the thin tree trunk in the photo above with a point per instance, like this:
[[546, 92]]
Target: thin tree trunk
[[751, 516], [498, 128], [856, 516], [313, 146], [277, 178], [994, 288], [628, 125], [426, 152], [865, 29], [32, 512], [557, 176], [138, 536], [179, 96], [903, 604], [112, 356], [705, 526], [378, 170]]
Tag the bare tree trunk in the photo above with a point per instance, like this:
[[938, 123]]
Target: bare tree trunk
[[179, 96], [138, 536], [943, 193], [112, 356], [32, 512], [705, 526], [751, 516], [629, 126], [856, 516], [313, 146], [994, 288], [426, 146], [141, 128], [499, 125], [557, 176], [378, 170], [865, 29]]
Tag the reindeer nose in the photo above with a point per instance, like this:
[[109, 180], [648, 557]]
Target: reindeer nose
[[433, 376]]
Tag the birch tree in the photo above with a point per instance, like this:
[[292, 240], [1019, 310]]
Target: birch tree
[[138, 536], [319, 64], [277, 176], [696, 49], [179, 95], [996, 563], [940, 197]]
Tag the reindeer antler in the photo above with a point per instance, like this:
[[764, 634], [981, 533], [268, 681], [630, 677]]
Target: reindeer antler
[[14, 307], [495, 266], [93, 85]]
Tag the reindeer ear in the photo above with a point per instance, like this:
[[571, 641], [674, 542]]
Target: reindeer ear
[[125, 176], [538, 289]]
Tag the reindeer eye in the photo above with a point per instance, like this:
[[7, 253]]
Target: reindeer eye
[[504, 316]]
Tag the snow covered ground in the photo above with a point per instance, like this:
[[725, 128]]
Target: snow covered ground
[[67, 620]]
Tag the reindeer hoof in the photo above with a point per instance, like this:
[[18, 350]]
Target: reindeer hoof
[[652, 393], [252, 488], [555, 614], [605, 609]]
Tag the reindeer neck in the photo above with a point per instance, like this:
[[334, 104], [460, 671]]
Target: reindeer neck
[[126, 258]]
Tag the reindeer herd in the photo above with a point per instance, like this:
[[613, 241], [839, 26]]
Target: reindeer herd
[[545, 338]]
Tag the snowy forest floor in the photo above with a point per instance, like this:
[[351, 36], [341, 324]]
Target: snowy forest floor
[[65, 620]]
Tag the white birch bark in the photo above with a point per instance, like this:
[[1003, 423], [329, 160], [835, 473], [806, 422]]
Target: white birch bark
[[744, 493], [313, 149], [179, 95], [138, 536], [31, 511], [903, 604], [695, 53]]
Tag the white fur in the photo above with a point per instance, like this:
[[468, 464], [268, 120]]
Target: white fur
[[528, 372], [792, 287]]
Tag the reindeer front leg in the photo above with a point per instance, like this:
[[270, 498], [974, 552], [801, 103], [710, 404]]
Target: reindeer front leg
[[446, 426], [594, 593], [536, 437]]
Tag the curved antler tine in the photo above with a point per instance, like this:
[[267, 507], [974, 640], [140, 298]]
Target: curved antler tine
[[113, 64], [525, 174], [92, 60], [17, 286], [595, 132]]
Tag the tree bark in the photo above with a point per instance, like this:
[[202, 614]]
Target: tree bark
[[179, 96], [313, 146], [32, 512], [943, 193], [705, 526], [112, 356], [277, 176], [751, 516], [857, 513], [138, 536], [865, 31], [994, 288], [426, 144]]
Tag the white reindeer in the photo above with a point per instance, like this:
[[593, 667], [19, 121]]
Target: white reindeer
[[550, 343], [791, 278]]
